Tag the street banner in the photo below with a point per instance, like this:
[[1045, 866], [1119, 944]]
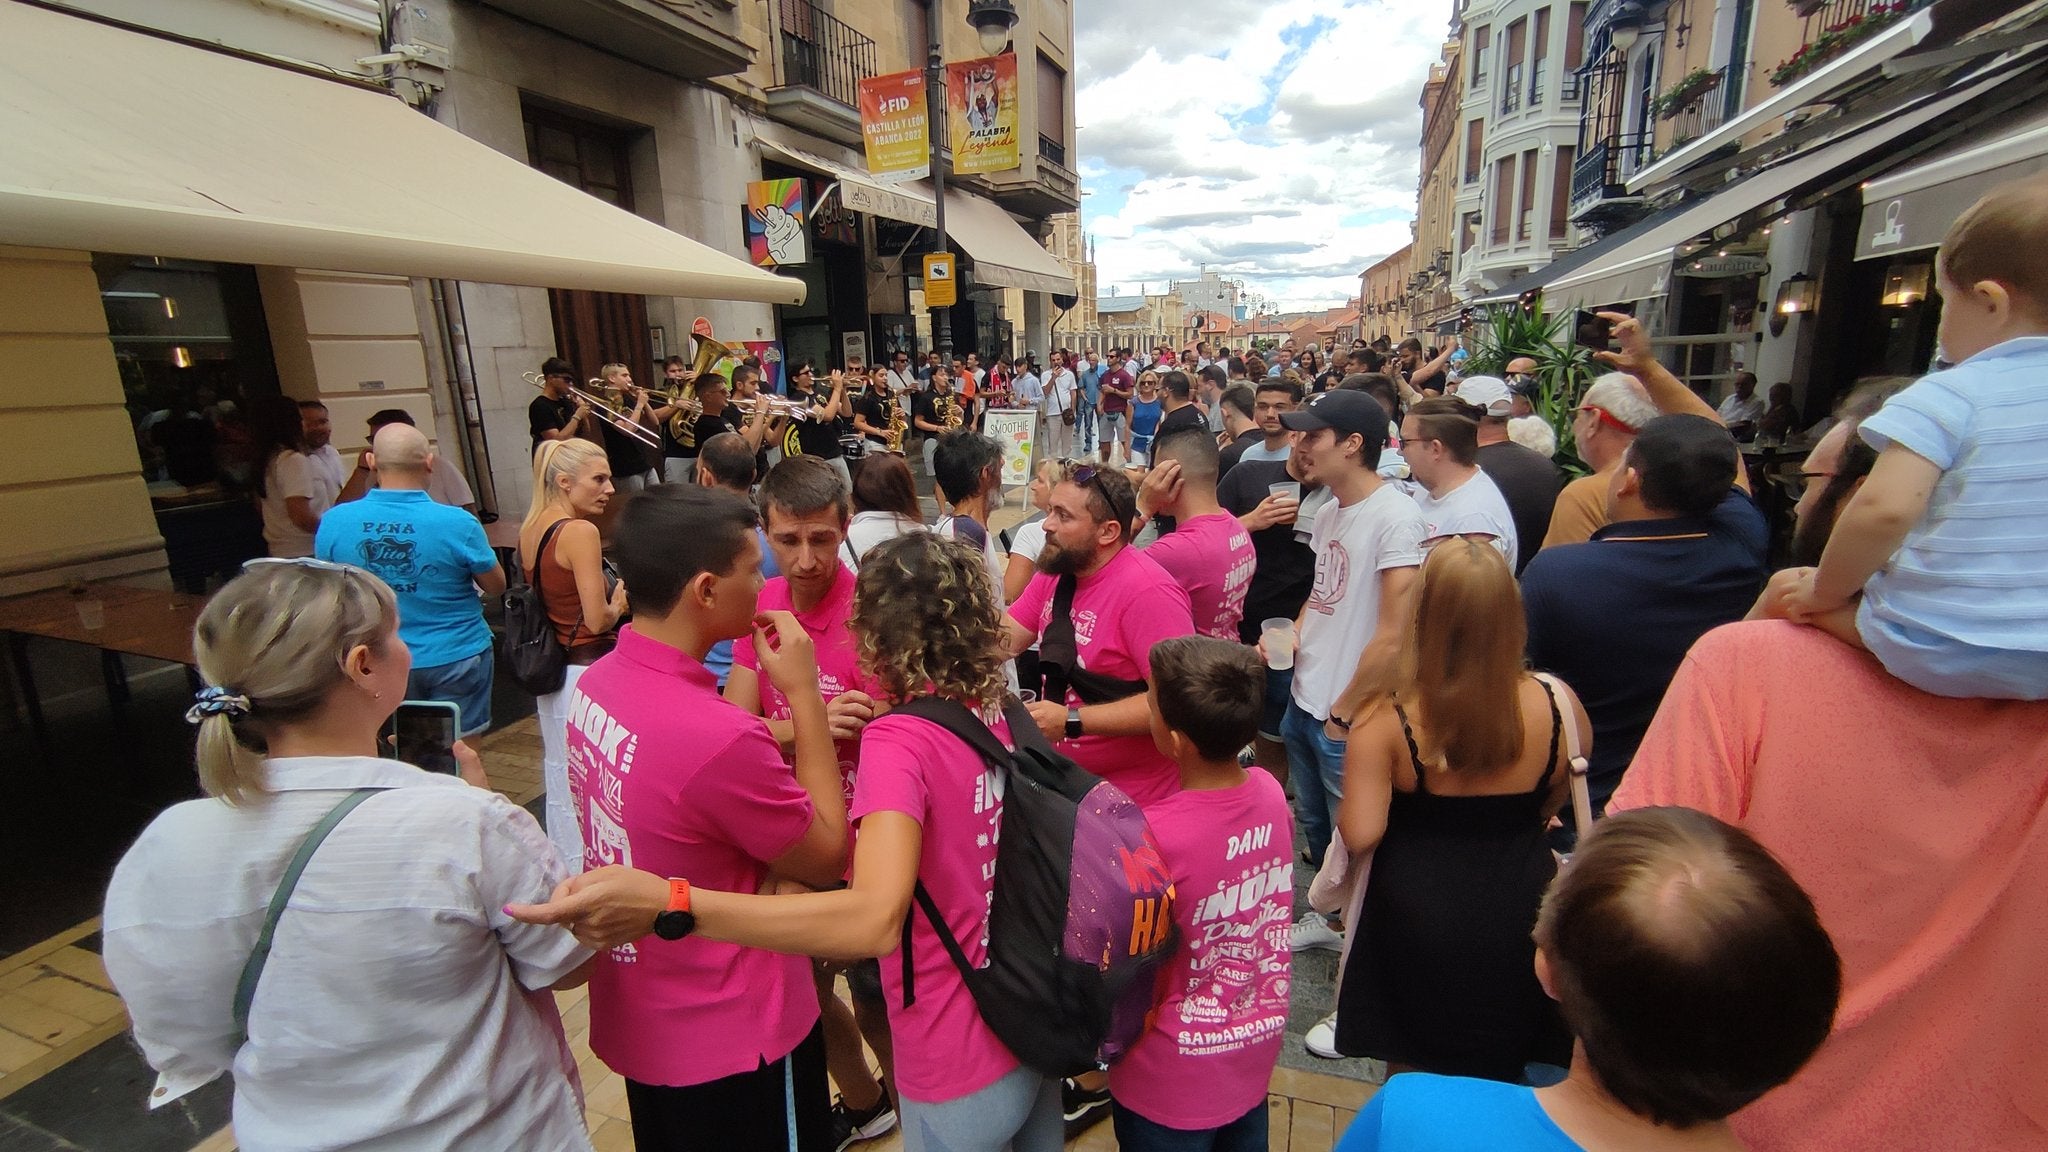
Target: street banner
[[981, 113], [775, 223], [1016, 429], [892, 122]]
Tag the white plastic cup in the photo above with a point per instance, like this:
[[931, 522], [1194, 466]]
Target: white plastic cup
[[1278, 636], [1288, 488], [92, 615]]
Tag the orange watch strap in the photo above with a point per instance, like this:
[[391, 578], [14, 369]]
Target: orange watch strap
[[678, 895]]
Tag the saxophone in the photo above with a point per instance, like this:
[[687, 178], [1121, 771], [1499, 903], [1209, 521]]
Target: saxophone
[[950, 414], [899, 427]]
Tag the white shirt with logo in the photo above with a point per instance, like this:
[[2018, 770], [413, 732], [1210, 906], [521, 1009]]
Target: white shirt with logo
[[1353, 545], [1474, 508]]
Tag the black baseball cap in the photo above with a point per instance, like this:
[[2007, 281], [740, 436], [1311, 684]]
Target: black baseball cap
[[1346, 411]]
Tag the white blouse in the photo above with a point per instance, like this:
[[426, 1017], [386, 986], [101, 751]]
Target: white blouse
[[400, 1008]]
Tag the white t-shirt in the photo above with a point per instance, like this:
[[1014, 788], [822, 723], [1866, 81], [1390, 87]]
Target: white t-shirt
[[292, 474], [871, 528], [1474, 508], [1353, 545], [327, 463], [1059, 395], [1735, 410]]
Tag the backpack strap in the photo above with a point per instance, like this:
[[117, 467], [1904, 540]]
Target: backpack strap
[[252, 969], [1059, 653]]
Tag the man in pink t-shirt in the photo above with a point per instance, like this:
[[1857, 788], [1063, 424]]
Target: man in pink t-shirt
[[719, 1045], [1209, 552], [1123, 603], [1916, 824]]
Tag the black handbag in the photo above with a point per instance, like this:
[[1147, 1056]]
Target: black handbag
[[533, 653]]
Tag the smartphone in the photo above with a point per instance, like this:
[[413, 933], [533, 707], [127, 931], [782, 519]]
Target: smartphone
[[423, 734], [1592, 333]]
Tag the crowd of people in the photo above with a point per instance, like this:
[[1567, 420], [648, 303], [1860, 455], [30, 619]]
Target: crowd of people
[[1623, 839]]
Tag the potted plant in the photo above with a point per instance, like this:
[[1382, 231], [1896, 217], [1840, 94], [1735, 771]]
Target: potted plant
[[1686, 92], [1563, 369], [1839, 38]]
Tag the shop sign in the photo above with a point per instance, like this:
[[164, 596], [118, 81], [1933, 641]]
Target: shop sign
[[831, 219], [1724, 267], [892, 124], [769, 353], [981, 114], [775, 223], [853, 346], [1016, 429]]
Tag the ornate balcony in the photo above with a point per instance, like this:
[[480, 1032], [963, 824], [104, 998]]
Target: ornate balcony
[[820, 62]]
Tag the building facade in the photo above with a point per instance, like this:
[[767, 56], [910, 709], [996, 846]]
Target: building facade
[[1431, 301], [1076, 251], [1384, 293]]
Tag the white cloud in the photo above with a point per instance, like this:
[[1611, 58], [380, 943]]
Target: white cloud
[[1275, 140]]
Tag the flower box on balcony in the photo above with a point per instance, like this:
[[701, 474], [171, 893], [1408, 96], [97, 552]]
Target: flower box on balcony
[[1839, 38], [1805, 8], [1686, 92]]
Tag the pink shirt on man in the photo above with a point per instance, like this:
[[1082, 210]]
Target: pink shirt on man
[[1120, 611], [671, 779], [1211, 558], [1209, 1047], [831, 641], [944, 1051], [1917, 824]]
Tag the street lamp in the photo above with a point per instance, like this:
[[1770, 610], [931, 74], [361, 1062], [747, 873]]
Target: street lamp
[[992, 21], [1625, 26]]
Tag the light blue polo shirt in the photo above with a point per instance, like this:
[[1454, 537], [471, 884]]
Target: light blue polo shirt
[[430, 554], [1970, 571]]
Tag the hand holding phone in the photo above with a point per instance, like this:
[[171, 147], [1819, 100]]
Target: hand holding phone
[[423, 733]]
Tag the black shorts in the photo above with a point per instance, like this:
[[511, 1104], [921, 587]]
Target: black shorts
[[747, 1112]]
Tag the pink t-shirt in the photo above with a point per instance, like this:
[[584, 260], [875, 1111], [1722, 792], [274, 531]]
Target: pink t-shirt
[[1209, 1047], [1211, 558], [1916, 823], [1120, 612], [832, 641], [943, 1049], [671, 779]]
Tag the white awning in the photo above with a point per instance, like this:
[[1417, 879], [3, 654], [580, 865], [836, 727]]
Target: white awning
[[1642, 267], [1912, 209], [860, 192], [118, 141], [1004, 254]]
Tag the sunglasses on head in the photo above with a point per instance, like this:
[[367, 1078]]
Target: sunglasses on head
[[297, 562], [1090, 476]]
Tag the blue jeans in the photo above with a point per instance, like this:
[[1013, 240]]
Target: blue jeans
[[1134, 1133], [1018, 1113], [463, 683], [1084, 425], [1315, 766]]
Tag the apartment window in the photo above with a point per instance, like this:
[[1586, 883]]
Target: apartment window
[[1475, 150], [1468, 231], [1561, 192], [1052, 111], [1511, 66], [1525, 215], [1539, 57], [1482, 43], [1574, 49], [1503, 206]]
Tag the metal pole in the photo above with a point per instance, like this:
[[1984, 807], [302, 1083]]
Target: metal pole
[[935, 129]]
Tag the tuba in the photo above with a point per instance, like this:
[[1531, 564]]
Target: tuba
[[682, 426]]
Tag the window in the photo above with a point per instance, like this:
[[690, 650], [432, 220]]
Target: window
[[1525, 214], [1052, 110], [1468, 231], [1503, 206], [1511, 66], [1574, 49], [1482, 43], [1475, 150], [1561, 192], [1538, 58]]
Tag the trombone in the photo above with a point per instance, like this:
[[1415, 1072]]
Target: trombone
[[778, 407], [602, 405]]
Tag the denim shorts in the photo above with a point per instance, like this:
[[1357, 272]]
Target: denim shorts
[[1279, 687], [463, 683]]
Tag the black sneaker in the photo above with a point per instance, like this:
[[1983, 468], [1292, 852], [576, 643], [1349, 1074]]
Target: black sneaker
[[850, 1127], [1082, 1107]]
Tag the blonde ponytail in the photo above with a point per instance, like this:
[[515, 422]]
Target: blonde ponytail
[[553, 460], [271, 645]]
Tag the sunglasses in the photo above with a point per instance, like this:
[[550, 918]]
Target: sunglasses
[[298, 562], [1089, 476]]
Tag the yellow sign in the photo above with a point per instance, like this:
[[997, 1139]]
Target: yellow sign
[[940, 289], [981, 114], [892, 123]]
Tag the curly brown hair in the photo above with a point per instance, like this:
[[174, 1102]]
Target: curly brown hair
[[927, 620]]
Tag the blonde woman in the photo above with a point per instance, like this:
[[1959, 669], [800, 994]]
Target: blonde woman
[[1450, 786], [927, 622], [397, 1005], [560, 553]]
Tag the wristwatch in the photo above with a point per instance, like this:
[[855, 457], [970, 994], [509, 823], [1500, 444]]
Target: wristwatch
[[676, 921], [1073, 723]]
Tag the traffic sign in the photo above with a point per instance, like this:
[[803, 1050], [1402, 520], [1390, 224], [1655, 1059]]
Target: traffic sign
[[940, 289]]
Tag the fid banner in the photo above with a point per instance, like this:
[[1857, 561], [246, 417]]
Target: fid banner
[[981, 112], [892, 124]]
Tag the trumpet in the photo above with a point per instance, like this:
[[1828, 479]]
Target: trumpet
[[778, 407], [602, 405]]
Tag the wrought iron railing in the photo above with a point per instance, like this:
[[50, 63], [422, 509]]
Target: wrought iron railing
[[1601, 169], [1051, 149], [821, 52]]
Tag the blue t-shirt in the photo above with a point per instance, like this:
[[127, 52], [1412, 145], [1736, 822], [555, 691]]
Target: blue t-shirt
[[1420, 1112], [1144, 422], [1091, 382], [430, 554], [1614, 617], [719, 659], [1971, 569]]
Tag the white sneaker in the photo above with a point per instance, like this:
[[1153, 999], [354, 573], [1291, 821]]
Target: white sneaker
[[1322, 1038], [1312, 931]]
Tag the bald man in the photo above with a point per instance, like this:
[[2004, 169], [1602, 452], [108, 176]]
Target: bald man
[[436, 559]]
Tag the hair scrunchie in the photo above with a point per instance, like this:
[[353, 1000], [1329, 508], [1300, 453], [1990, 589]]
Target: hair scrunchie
[[214, 700]]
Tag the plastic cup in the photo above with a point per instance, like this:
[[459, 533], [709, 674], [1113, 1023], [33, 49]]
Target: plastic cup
[[1278, 636], [1288, 488], [92, 615]]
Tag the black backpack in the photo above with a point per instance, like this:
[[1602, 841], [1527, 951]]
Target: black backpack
[[1081, 912], [533, 653]]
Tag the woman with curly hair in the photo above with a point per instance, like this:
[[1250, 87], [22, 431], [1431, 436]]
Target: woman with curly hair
[[927, 621]]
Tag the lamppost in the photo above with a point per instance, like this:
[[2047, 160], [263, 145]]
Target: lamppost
[[992, 20]]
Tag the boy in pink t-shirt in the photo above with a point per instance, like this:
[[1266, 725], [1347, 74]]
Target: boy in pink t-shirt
[[1209, 553], [1207, 1055]]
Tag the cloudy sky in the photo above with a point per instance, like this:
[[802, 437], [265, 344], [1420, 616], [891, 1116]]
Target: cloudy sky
[[1274, 140]]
